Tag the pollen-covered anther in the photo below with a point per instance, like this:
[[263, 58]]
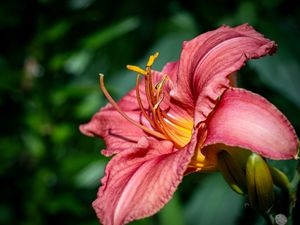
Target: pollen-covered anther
[[152, 59], [137, 69], [148, 66], [161, 83]]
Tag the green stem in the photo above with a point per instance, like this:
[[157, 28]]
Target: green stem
[[294, 184], [267, 218], [293, 190]]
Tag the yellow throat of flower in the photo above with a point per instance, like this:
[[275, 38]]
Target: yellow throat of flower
[[163, 125]]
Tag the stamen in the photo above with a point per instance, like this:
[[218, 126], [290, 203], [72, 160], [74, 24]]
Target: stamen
[[158, 102], [115, 105], [161, 83], [169, 132], [151, 107], [182, 124], [152, 59], [159, 87], [137, 90], [150, 86], [179, 130], [137, 69]]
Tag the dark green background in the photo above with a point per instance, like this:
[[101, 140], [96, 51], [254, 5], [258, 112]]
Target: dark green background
[[50, 56]]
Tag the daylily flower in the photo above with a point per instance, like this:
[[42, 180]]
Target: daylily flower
[[172, 123]]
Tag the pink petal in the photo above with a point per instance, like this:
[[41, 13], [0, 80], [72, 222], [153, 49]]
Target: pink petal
[[140, 181], [247, 120], [170, 105], [207, 61], [171, 69], [118, 133]]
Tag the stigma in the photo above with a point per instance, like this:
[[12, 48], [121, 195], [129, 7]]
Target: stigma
[[162, 124]]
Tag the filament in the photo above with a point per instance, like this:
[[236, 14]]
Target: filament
[[115, 105]]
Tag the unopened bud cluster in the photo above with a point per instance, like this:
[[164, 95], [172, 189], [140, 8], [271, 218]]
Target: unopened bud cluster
[[252, 177]]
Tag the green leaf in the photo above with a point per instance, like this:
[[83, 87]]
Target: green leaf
[[34, 144], [172, 213], [281, 71], [103, 36], [80, 4], [89, 176], [78, 62], [213, 203], [89, 105], [286, 166], [55, 32], [61, 132]]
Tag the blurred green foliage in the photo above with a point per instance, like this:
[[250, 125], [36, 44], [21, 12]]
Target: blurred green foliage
[[50, 56]]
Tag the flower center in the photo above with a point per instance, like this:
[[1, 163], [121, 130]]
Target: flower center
[[163, 125]]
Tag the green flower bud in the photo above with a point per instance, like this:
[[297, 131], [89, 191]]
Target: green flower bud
[[232, 172], [259, 183], [280, 179]]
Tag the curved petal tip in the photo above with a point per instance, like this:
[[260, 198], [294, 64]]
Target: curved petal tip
[[247, 120]]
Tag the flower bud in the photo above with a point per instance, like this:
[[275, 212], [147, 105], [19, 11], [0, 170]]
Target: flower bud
[[259, 183], [232, 172], [280, 179]]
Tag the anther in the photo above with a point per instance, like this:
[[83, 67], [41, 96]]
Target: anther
[[160, 84], [152, 59], [137, 69]]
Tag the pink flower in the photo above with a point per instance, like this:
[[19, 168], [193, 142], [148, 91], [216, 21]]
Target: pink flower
[[173, 121]]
